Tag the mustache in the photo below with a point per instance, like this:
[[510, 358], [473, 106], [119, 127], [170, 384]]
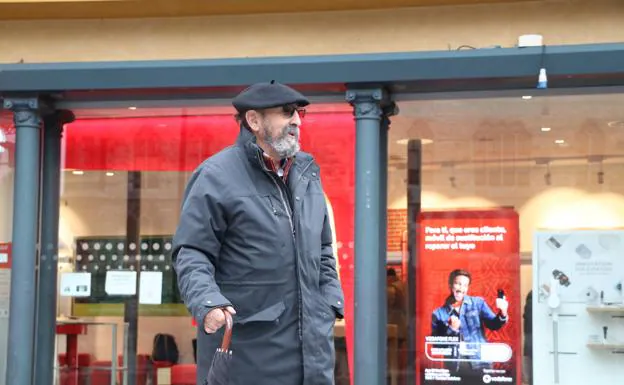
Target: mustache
[[290, 129]]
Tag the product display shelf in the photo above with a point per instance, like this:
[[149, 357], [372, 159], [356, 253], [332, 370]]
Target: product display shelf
[[614, 347], [616, 311], [619, 309]]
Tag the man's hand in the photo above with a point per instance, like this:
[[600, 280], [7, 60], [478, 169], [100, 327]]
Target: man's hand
[[215, 319], [455, 323], [502, 305]]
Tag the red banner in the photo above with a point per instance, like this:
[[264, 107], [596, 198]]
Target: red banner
[[468, 297]]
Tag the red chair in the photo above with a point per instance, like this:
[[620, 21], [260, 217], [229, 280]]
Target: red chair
[[142, 368], [101, 373], [78, 375], [183, 374]]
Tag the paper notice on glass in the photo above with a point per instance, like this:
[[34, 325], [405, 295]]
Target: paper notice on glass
[[120, 282], [5, 292], [150, 287], [76, 284]]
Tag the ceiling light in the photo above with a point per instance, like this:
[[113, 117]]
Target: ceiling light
[[110, 173], [616, 124], [559, 141], [78, 172], [132, 108], [406, 141], [527, 97], [545, 129]]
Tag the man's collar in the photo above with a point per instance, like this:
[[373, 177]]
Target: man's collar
[[450, 300], [247, 140], [281, 168], [244, 136]]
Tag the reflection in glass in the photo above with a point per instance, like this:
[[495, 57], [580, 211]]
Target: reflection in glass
[[555, 163]]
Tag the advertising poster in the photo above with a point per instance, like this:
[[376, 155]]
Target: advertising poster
[[468, 297], [582, 266]]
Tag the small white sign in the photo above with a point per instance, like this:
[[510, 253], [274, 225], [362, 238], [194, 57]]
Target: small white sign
[[4, 257], [76, 284], [150, 287], [5, 292], [120, 282]]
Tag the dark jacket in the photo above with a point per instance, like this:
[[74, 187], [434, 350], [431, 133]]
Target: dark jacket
[[238, 243]]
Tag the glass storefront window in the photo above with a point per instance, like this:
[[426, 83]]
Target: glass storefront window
[[518, 239], [124, 174], [517, 235], [7, 167]]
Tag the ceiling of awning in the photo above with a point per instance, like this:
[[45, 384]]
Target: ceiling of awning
[[73, 9]]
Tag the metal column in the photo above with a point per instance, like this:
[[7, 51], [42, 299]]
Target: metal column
[[370, 284], [390, 109], [25, 219], [48, 259], [383, 233], [131, 306], [414, 192]]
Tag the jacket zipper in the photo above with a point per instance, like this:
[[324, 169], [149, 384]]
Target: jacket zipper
[[297, 254], [279, 189], [294, 238]]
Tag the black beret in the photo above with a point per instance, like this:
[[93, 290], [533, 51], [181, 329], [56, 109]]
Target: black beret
[[268, 95]]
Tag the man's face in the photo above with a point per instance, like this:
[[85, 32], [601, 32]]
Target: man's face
[[278, 129], [459, 288]]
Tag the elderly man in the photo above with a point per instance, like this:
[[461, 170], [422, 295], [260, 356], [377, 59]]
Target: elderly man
[[254, 239]]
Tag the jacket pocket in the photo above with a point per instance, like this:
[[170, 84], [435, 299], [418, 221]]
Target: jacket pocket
[[269, 314], [335, 301]]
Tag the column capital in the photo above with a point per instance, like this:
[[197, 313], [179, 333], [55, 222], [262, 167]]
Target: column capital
[[369, 103], [360, 95], [18, 103], [27, 111], [372, 103]]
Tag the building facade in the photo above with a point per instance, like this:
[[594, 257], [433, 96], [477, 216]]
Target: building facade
[[443, 152]]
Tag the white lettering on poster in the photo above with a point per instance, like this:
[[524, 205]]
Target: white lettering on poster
[[461, 238], [432, 374]]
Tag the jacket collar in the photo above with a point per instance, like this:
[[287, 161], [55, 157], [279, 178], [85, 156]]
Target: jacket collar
[[450, 300], [247, 141]]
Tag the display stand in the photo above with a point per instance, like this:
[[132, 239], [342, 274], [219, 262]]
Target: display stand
[[578, 306], [72, 329]]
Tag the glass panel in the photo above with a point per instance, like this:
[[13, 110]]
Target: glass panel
[[519, 239], [105, 152], [7, 167]]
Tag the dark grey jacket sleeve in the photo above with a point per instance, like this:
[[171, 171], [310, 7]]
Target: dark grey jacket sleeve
[[197, 244], [329, 282]]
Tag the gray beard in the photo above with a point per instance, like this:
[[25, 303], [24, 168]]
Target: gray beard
[[284, 145]]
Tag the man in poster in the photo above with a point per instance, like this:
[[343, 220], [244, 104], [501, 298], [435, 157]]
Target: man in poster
[[466, 317]]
